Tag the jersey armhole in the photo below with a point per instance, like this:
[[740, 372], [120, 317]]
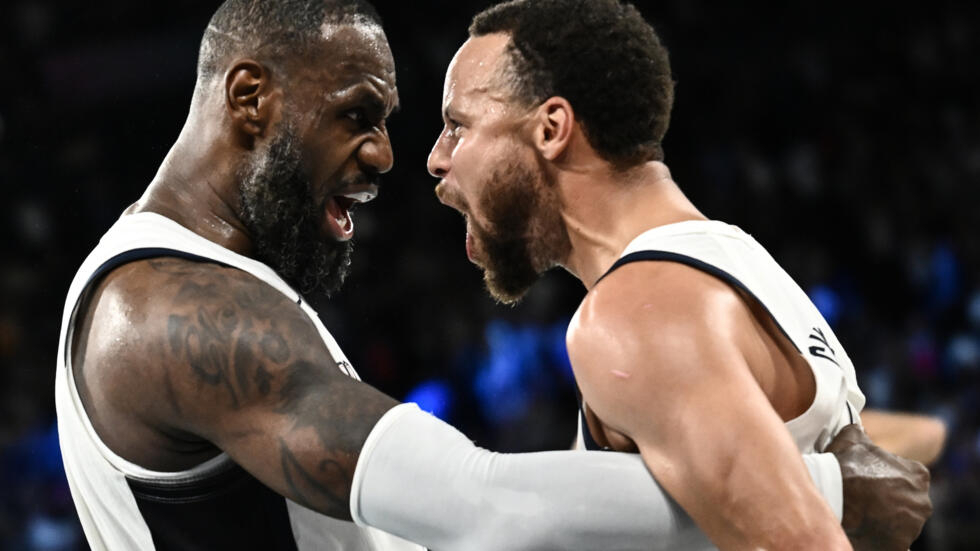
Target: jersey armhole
[[208, 468], [700, 265]]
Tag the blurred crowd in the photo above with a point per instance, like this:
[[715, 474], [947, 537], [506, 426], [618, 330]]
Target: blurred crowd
[[845, 138]]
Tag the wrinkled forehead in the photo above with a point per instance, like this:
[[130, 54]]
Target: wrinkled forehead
[[477, 69], [352, 53], [362, 42]]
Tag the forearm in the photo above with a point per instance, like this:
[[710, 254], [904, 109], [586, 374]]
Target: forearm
[[916, 437], [756, 507], [307, 447], [420, 479]]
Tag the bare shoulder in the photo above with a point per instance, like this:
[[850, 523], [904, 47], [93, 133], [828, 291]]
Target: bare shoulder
[[650, 306], [164, 344], [182, 360], [654, 329]]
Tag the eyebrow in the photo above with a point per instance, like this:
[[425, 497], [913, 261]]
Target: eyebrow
[[359, 93]]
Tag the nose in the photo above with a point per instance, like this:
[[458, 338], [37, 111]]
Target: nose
[[438, 163], [376, 152]]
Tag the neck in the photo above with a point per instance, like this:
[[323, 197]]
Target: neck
[[197, 186], [604, 210]]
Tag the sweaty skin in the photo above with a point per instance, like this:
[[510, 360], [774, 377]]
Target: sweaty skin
[[670, 361], [176, 360], [705, 405]]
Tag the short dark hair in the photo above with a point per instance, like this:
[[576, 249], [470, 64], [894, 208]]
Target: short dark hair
[[600, 55], [278, 29]]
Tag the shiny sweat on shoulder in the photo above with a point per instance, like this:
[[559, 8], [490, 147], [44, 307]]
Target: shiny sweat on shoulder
[[733, 256], [215, 505]]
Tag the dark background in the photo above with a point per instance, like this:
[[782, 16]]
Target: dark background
[[844, 137]]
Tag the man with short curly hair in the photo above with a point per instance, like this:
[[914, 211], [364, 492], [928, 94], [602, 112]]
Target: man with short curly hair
[[692, 346]]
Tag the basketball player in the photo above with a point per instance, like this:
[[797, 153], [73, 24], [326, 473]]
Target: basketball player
[[691, 346], [202, 404]]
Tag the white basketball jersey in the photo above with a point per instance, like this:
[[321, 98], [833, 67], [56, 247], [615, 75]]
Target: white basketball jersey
[[733, 256], [216, 505]]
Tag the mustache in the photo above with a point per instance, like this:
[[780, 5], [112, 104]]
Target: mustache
[[360, 180], [451, 197]]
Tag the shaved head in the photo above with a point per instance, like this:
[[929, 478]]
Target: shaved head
[[274, 31]]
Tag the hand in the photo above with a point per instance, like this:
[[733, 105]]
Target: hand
[[886, 498]]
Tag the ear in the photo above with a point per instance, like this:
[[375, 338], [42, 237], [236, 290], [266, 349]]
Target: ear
[[553, 133], [247, 94]]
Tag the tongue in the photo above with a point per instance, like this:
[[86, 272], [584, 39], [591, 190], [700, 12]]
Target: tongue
[[338, 221]]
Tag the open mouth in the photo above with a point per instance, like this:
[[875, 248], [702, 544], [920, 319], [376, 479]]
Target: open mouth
[[472, 250], [338, 220]]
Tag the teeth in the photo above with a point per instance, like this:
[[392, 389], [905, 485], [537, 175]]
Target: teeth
[[362, 196], [342, 223]]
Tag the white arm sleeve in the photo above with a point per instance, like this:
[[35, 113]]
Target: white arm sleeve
[[825, 472], [423, 480]]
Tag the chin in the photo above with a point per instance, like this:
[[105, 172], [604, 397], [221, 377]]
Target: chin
[[510, 288]]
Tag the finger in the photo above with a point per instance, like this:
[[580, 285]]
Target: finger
[[917, 470], [847, 437]]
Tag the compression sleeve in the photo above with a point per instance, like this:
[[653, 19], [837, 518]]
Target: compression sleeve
[[825, 472], [423, 480]]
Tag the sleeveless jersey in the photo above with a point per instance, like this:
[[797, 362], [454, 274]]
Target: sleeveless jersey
[[216, 505], [733, 256]]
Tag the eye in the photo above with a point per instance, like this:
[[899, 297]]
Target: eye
[[453, 127], [366, 117], [357, 115]]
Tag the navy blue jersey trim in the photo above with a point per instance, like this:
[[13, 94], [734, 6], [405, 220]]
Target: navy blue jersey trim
[[643, 256], [142, 254], [154, 252], [126, 257], [587, 439], [229, 510]]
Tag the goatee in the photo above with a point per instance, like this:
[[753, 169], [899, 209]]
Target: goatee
[[527, 236]]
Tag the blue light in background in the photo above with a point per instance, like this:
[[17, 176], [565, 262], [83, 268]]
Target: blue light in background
[[434, 396], [38, 454], [521, 363], [944, 278], [827, 301], [500, 381], [558, 351]]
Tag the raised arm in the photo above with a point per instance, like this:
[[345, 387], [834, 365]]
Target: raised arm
[[663, 364]]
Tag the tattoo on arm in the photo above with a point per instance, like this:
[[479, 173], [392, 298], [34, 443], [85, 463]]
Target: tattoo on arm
[[204, 337], [302, 483], [245, 341]]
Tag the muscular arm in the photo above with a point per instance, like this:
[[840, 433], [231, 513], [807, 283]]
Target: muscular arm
[[264, 388], [656, 350], [211, 353], [918, 437], [196, 351]]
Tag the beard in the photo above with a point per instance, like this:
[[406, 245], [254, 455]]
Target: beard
[[526, 236], [285, 222]]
